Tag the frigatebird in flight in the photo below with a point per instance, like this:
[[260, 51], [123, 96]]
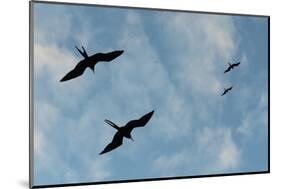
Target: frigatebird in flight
[[125, 131], [231, 66], [226, 91], [90, 61]]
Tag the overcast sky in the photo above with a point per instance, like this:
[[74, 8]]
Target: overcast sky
[[172, 63]]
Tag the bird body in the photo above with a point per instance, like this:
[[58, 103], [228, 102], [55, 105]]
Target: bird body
[[90, 61], [231, 66], [226, 91], [125, 131]]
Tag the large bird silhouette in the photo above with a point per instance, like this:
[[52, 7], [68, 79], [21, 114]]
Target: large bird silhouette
[[226, 91], [231, 66], [125, 131], [90, 61]]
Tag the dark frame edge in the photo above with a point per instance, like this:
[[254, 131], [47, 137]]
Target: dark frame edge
[[31, 130], [268, 80]]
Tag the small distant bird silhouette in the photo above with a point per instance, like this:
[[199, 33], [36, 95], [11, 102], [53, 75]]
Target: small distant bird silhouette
[[226, 91], [125, 131], [231, 66], [90, 61]]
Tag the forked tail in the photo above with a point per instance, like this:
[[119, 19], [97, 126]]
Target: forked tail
[[84, 53], [112, 124]]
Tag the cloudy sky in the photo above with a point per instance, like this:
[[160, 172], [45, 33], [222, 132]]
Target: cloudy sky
[[173, 63]]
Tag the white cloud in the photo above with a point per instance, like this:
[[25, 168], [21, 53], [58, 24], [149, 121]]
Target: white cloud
[[229, 154], [98, 170], [168, 165], [49, 28], [204, 44], [219, 148], [45, 118], [207, 44], [38, 144], [213, 151], [142, 76], [255, 121], [52, 59], [57, 139]]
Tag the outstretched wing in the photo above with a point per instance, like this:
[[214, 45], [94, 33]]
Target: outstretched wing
[[140, 122], [228, 69], [116, 142], [106, 57], [77, 71], [229, 88], [226, 91], [236, 64]]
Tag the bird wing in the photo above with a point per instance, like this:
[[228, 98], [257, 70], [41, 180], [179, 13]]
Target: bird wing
[[115, 143], [226, 91], [140, 122], [236, 64], [228, 69], [106, 57], [77, 71]]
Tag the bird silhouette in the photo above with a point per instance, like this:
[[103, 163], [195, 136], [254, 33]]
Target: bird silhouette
[[226, 91], [231, 66], [90, 61], [125, 131]]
